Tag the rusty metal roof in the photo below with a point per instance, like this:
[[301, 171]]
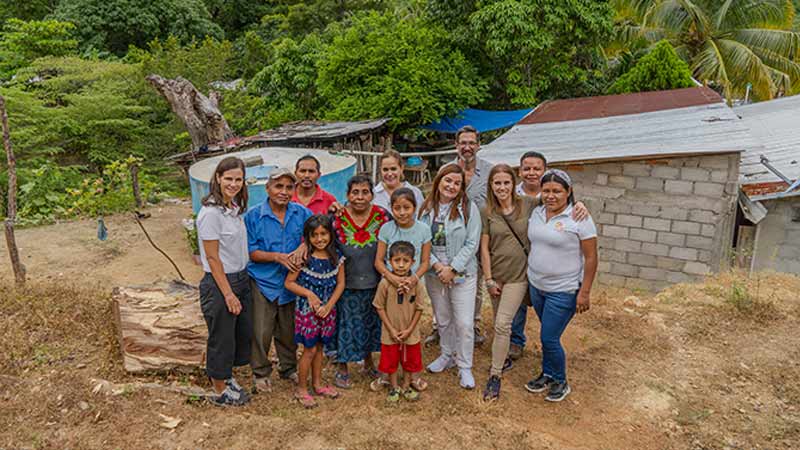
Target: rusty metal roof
[[776, 125], [620, 105]]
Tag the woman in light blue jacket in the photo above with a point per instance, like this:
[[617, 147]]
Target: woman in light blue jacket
[[452, 281]]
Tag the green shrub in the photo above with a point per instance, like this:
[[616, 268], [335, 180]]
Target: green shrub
[[661, 69]]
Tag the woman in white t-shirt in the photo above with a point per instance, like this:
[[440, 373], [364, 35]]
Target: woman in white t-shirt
[[391, 170], [225, 288], [561, 268]]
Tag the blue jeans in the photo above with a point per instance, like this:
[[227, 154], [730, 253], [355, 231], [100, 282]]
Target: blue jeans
[[518, 325], [555, 310]]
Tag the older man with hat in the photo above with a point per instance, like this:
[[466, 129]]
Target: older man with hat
[[274, 230]]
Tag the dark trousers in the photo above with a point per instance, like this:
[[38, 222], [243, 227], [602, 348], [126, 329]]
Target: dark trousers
[[271, 320], [229, 335]]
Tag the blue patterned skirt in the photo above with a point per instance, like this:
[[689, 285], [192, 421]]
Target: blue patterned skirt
[[358, 326]]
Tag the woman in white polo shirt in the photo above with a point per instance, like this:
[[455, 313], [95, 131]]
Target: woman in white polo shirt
[[225, 288], [391, 172], [561, 268]]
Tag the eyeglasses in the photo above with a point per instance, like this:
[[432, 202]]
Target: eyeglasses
[[469, 143]]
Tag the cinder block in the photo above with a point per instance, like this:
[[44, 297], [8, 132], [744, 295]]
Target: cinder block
[[673, 213], [702, 216], [695, 174], [605, 242], [709, 189], [688, 254], [601, 179], [610, 168], [627, 245], [663, 262], [622, 181], [679, 226], [610, 279], [618, 206], [603, 266], [638, 234], [614, 256], [708, 230], [666, 172], [615, 231], [636, 169], [650, 273], [629, 220], [650, 184], [691, 162], [646, 210], [678, 187], [699, 242], [655, 249], [704, 256], [679, 277], [731, 188], [642, 260], [714, 162], [696, 268], [719, 176], [605, 218], [636, 283], [625, 270], [656, 224], [671, 239]]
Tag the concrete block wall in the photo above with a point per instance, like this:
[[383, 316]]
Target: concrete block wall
[[777, 245], [660, 221]]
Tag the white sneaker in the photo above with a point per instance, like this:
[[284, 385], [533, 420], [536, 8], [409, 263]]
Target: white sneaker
[[467, 380], [441, 364]]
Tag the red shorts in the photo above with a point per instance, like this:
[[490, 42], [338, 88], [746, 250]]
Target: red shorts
[[409, 356]]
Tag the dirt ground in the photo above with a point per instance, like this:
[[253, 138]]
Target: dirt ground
[[712, 365]]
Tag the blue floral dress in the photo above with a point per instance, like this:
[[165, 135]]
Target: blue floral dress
[[318, 276]]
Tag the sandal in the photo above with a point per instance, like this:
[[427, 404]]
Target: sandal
[[371, 373], [306, 400], [342, 380], [327, 392], [419, 384]]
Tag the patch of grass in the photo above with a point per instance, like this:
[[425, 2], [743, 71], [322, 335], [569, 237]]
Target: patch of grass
[[748, 303]]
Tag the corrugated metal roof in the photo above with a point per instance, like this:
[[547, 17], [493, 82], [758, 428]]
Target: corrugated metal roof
[[701, 129], [776, 125], [297, 132], [620, 105]]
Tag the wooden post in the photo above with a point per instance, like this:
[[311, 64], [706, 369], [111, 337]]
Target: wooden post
[[137, 195], [11, 216]]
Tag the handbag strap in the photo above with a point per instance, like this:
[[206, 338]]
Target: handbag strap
[[508, 224]]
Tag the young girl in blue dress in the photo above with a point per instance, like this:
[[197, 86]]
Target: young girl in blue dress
[[318, 286]]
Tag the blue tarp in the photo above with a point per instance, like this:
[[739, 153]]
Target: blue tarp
[[481, 119]]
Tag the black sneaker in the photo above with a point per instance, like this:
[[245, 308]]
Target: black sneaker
[[492, 391], [228, 397], [508, 364], [540, 384], [236, 387], [558, 391]]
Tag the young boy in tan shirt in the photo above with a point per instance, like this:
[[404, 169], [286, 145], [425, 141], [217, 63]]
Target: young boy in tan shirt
[[400, 313]]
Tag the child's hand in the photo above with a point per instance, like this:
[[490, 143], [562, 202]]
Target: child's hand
[[324, 311], [315, 302], [402, 335], [396, 336]]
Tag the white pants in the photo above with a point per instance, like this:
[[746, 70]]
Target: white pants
[[454, 310]]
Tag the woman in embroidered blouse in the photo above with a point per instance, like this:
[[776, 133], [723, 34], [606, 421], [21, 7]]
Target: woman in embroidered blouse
[[358, 325]]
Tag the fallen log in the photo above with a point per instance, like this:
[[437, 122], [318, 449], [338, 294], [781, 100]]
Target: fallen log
[[160, 327]]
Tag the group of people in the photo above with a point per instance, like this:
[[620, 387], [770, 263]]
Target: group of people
[[351, 280]]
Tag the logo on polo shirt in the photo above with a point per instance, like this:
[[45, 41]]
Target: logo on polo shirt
[[559, 226]]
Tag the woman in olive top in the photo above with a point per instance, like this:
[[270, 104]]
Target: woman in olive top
[[504, 255]]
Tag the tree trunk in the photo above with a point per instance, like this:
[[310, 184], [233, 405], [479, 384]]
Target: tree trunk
[[11, 216], [160, 327], [201, 115], [137, 195]]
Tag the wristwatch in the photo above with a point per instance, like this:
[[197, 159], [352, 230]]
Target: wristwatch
[[490, 283]]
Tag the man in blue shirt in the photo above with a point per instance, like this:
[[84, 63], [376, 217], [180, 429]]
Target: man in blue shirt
[[274, 231]]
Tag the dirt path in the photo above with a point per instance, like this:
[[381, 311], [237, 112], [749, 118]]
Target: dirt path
[[686, 369]]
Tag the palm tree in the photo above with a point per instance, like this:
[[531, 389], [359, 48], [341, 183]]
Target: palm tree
[[731, 43]]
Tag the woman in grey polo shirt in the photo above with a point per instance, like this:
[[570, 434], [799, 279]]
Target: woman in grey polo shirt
[[225, 290], [561, 269]]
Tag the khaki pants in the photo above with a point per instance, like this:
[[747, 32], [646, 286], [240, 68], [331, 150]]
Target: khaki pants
[[505, 308], [272, 320]]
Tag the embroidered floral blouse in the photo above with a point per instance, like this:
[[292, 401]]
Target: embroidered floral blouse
[[359, 244]]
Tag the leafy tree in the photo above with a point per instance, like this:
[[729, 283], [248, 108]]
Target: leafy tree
[[540, 49], [730, 43], [661, 69], [21, 42], [380, 66], [237, 16], [114, 25], [26, 9]]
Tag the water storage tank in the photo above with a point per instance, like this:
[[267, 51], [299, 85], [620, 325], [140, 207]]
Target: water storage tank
[[336, 170]]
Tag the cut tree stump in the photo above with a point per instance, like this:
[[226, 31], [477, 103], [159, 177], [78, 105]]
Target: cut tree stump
[[160, 327], [201, 115]]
